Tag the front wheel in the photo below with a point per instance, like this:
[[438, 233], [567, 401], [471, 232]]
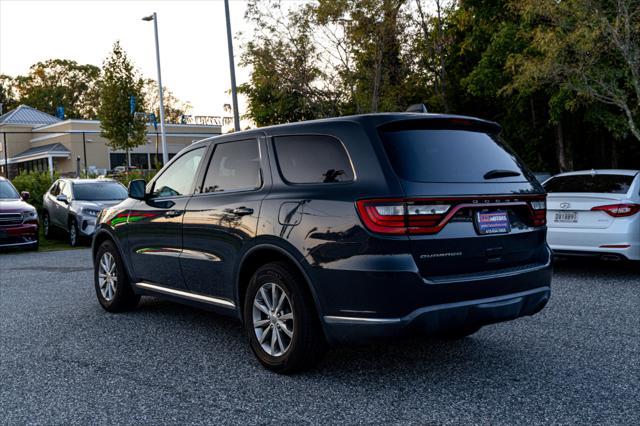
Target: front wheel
[[46, 225], [111, 281], [281, 320], [74, 233]]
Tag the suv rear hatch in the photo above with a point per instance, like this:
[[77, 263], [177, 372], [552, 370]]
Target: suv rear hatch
[[471, 208]]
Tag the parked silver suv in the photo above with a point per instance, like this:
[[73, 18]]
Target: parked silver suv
[[73, 204]]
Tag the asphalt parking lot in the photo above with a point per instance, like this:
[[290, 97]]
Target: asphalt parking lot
[[64, 360]]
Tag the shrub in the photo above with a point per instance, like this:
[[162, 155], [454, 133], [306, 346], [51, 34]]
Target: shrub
[[125, 178], [36, 183]]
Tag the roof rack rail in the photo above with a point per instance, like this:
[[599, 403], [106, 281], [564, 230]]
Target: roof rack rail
[[417, 108]]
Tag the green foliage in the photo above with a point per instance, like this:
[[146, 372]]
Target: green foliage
[[119, 82], [61, 82], [7, 93], [287, 82], [36, 183], [174, 108], [125, 178]]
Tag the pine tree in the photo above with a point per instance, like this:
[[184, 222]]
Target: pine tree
[[120, 81]]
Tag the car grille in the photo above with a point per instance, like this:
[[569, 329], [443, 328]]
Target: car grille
[[10, 219]]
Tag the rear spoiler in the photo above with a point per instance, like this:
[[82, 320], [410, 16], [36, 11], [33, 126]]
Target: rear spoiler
[[442, 123]]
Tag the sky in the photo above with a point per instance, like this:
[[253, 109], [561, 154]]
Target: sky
[[193, 44]]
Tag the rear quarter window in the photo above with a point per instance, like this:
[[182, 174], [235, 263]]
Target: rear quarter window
[[312, 159], [605, 184], [449, 155]]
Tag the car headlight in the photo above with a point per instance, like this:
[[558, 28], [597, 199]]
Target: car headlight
[[30, 215], [90, 212]]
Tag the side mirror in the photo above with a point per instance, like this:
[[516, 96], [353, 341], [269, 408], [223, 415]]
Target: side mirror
[[63, 198], [25, 195], [137, 189]]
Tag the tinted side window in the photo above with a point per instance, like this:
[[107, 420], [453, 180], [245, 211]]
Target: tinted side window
[[612, 184], [234, 166], [178, 179], [312, 159]]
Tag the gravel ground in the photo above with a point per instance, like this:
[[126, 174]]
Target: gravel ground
[[64, 360]]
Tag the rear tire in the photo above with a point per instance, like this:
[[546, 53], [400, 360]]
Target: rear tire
[[290, 330], [111, 281]]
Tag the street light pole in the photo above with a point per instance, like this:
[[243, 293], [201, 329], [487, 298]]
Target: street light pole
[[232, 69], [84, 150], [165, 153], [6, 158]]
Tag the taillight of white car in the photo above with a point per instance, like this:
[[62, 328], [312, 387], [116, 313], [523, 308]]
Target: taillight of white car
[[619, 210]]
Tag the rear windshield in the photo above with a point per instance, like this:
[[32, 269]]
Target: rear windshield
[[450, 156], [99, 191], [608, 184]]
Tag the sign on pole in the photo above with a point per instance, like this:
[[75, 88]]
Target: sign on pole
[[132, 104]]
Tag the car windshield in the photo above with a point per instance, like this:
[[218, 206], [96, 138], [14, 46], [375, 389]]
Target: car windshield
[[8, 192], [451, 156], [604, 184], [98, 191]]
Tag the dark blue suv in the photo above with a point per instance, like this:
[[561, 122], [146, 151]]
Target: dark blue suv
[[335, 231]]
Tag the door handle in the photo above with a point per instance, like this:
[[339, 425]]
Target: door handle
[[172, 213], [242, 211]]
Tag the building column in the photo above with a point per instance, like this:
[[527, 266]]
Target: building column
[[50, 161]]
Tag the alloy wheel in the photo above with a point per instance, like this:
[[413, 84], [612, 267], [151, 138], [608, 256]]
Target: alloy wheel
[[73, 234], [273, 319], [107, 276]]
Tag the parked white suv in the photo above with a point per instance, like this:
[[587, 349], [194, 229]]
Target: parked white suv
[[72, 205], [594, 213]]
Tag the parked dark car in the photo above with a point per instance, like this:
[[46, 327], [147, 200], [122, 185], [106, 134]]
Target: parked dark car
[[18, 219], [335, 231]]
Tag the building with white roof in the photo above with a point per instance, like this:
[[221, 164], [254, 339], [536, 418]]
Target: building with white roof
[[31, 140]]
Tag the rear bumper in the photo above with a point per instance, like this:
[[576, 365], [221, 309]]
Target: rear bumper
[[590, 242], [431, 319], [358, 305]]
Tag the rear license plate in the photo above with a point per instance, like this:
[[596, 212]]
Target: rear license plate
[[566, 217], [493, 222]]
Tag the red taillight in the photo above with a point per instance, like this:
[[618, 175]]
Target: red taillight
[[428, 216], [401, 216], [383, 216], [539, 209], [619, 210]]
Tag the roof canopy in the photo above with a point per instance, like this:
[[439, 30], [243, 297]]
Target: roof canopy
[[26, 115], [45, 151]]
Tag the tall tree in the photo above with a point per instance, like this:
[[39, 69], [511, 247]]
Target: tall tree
[[120, 82], [591, 47], [375, 30], [61, 82], [174, 108], [286, 82], [8, 97]]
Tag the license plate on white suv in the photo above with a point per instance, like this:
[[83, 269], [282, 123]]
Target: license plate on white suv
[[566, 217]]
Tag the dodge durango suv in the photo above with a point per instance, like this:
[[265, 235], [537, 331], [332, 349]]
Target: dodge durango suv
[[335, 231]]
